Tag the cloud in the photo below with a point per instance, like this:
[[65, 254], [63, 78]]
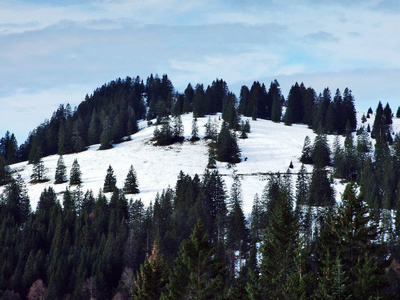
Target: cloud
[[320, 37], [388, 6]]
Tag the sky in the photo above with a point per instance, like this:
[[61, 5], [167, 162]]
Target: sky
[[55, 52]]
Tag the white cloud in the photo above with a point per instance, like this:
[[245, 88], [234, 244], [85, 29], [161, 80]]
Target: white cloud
[[49, 46]]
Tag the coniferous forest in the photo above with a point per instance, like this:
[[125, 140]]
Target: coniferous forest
[[194, 240]]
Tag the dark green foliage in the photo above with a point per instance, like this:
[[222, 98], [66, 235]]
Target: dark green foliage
[[277, 248], [295, 108], [306, 154], [5, 172], [195, 130], [61, 171], [211, 159], [131, 182], [169, 134], [198, 272], [75, 174], [38, 172], [321, 151], [9, 148], [229, 114], [276, 113], [321, 191], [110, 181], [211, 130], [227, 148], [348, 235], [152, 278]]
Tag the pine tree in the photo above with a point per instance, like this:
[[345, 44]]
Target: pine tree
[[198, 272], [110, 181], [131, 182], [61, 171], [75, 174]]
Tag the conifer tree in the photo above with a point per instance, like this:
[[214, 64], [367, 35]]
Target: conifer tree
[[106, 135], [152, 278], [131, 182], [276, 109], [302, 186], [211, 159], [321, 151], [227, 147], [75, 174], [277, 248], [237, 234], [195, 130], [38, 172], [321, 191], [198, 272], [306, 153], [61, 171], [110, 181]]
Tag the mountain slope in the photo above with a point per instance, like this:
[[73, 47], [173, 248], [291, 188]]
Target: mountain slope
[[270, 147]]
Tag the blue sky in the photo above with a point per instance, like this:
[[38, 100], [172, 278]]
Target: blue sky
[[55, 52]]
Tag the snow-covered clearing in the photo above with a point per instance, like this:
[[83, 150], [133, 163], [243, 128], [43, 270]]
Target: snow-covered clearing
[[270, 147]]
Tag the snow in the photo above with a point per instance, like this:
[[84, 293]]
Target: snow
[[270, 147]]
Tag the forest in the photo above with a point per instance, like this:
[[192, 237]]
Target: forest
[[194, 241]]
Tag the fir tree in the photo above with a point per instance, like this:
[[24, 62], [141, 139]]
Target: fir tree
[[61, 171], [131, 182], [110, 181], [75, 174]]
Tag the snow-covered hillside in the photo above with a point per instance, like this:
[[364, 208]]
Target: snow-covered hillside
[[270, 147]]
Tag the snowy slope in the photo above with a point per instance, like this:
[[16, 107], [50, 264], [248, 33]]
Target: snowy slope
[[270, 148]]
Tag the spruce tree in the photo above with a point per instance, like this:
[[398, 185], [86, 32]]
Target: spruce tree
[[321, 151], [195, 130], [277, 249], [306, 153], [152, 278], [227, 147], [38, 172], [110, 181], [276, 109], [198, 272], [61, 171], [75, 174], [131, 182], [211, 159]]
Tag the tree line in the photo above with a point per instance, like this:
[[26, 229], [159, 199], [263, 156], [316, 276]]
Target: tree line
[[194, 241], [109, 115]]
